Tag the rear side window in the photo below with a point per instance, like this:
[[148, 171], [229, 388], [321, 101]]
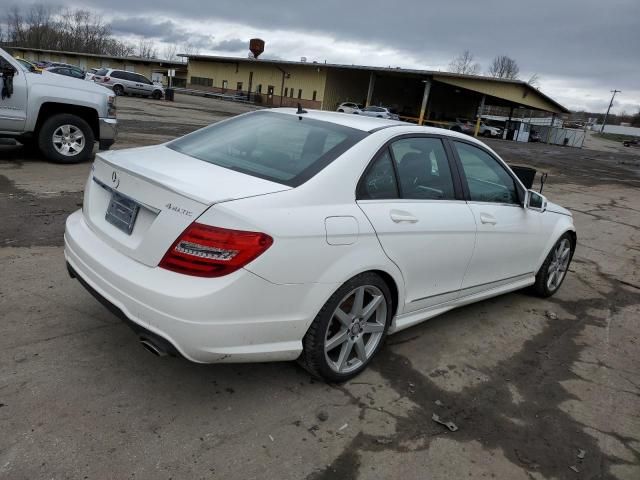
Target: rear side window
[[423, 169], [102, 72], [278, 147], [380, 180], [487, 179], [117, 74]]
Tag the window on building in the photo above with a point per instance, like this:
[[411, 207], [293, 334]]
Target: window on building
[[225, 84], [259, 88], [300, 93], [286, 91], [314, 95], [202, 81], [270, 90], [291, 93], [239, 86]]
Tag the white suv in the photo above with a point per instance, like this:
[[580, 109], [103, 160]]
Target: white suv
[[121, 82], [349, 107]]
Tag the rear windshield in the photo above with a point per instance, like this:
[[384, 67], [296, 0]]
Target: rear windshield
[[278, 147], [102, 72]]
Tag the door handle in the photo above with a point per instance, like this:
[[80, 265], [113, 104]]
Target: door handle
[[486, 218], [400, 216]]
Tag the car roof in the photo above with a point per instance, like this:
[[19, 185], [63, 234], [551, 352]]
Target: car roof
[[359, 122], [374, 124]]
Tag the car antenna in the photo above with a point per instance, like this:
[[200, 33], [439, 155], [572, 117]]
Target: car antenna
[[300, 110]]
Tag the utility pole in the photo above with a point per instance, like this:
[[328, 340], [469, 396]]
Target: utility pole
[[604, 122]]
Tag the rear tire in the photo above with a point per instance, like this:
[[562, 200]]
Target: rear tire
[[555, 267], [66, 138], [341, 110], [156, 95], [340, 345], [118, 90]]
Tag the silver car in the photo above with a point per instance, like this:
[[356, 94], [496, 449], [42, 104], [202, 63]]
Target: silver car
[[380, 112], [130, 83]]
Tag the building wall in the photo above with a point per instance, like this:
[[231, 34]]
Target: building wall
[[299, 85]]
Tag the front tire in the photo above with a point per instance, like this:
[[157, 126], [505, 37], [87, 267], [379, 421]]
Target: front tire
[[349, 329], [66, 138], [554, 269], [156, 95]]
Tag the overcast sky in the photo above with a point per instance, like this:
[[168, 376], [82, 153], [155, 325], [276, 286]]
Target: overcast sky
[[581, 49]]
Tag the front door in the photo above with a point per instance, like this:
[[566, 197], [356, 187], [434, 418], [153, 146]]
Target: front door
[[508, 234], [422, 222], [13, 109]]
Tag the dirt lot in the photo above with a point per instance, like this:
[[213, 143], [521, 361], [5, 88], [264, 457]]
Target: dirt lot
[[538, 388]]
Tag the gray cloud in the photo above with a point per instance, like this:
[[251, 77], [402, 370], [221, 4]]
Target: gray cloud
[[165, 31], [568, 40], [233, 45]]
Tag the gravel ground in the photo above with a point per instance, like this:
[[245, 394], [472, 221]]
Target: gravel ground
[[538, 388]]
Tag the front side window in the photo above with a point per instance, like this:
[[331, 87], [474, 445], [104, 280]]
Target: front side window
[[487, 179], [380, 180], [423, 169], [277, 147]]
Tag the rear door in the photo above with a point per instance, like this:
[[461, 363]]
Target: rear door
[[508, 234], [413, 198]]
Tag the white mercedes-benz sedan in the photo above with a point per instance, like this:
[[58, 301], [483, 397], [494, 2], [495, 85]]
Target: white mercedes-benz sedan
[[285, 234]]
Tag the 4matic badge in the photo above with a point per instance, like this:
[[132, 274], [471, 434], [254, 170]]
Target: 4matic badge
[[180, 210]]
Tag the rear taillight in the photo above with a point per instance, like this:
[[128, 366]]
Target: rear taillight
[[206, 251], [106, 79]]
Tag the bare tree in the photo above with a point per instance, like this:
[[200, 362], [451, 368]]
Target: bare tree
[[464, 64], [146, 49], [534, 80], [504, 67], [170, 52], [40, 26], [190, 49]]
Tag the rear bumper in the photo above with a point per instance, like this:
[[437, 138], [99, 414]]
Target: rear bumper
[[237, 318], [108, 132]]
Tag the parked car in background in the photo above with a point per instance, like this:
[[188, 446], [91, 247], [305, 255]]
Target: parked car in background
[[349, 107], [29, 65], [463, 125], [90, 73], [68, 70], [129, 83], [489, 130], [379, 112], [282, 235], [63, 117], [534, 136]]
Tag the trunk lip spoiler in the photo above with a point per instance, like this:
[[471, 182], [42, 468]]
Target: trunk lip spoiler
[[112, 190]]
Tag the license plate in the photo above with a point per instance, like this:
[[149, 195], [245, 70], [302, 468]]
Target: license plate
[[122, 212]]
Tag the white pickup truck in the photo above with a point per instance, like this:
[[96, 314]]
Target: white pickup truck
[[62, 116]]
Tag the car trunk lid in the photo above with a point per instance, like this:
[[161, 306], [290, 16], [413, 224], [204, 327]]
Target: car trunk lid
[[140, 200]]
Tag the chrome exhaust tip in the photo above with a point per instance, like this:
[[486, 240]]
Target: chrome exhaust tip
[[153, 348]]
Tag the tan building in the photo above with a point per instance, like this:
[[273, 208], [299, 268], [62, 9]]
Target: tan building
[[416, 94], [154, 69]]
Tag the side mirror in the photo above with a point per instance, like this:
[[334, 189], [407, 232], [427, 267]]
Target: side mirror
[[535, 201]]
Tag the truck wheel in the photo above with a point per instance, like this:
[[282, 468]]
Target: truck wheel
[[66, 138]]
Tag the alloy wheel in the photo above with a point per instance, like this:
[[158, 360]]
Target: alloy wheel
[[68, 140], [355, 329], [559, 264]]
